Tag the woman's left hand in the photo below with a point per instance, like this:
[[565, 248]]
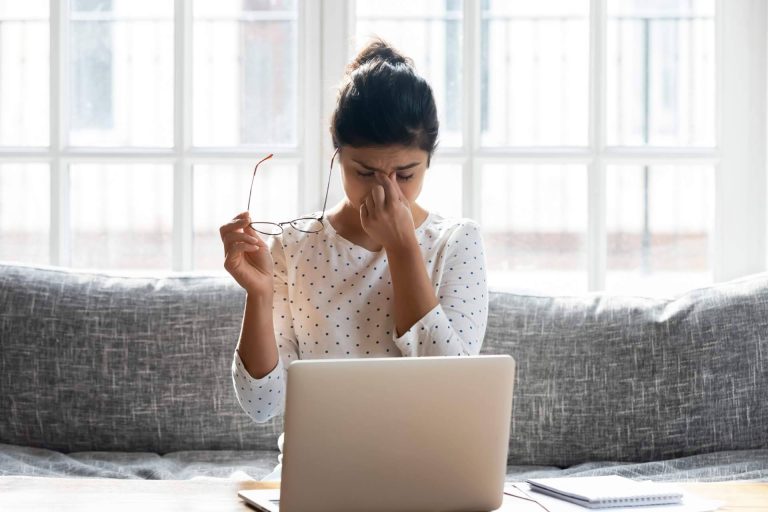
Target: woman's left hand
[[386, 215]]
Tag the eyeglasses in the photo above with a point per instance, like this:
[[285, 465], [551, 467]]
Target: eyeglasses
[[305, 224]]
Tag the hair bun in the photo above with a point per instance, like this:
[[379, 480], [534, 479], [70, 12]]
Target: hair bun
[[378, 50]]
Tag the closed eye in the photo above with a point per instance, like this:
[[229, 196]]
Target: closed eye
[[370, 174]]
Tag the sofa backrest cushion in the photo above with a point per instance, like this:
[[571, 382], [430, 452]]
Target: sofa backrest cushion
[[603, 377], [98, 362]]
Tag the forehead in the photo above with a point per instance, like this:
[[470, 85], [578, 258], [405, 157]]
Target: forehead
[[384, 156]]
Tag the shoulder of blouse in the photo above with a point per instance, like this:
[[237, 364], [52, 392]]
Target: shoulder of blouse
[[447, 227]]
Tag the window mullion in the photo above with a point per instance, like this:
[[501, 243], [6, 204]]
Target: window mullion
[[310, 122], [182, 123], [596, 191], [60, 231], [471, 173]]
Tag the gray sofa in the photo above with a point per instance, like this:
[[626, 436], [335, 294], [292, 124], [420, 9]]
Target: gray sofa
[[129, 377]]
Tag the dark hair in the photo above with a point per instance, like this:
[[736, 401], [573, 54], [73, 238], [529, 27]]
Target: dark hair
[[384, 101]]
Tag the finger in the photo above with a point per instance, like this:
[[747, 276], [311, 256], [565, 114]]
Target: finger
[[249, 229], [238, 248], [391, 189], [233, 225], [363, 211], [243, 246], [230, 239], [378, 196], [242, 237], [369, 205], [396, 188]]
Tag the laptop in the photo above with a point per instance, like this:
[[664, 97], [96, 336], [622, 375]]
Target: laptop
[[394, 434]]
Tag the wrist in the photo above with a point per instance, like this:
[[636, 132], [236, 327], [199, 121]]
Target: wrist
[[259, 300], [404, 248]]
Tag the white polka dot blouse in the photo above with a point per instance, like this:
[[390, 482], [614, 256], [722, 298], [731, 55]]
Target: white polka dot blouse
[[333, 299]]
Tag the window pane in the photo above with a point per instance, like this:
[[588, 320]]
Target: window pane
[[441, 192], [24, 75], [661, 73], [534, 73], [122, 216], [660, 224], [430, 33], [534, 219], [245, 66], [121, 73], [221, 192], [24, 213]]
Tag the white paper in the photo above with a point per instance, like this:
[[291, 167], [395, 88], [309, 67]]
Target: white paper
[[690, 502]]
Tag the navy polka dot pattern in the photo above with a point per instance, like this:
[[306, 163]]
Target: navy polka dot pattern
[[333, 299], [456, 326]]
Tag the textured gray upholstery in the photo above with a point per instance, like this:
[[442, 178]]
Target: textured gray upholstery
[[94, 362], [22, 460], [97, 362], [620, 378]]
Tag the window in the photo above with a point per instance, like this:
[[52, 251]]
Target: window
[[245, 68], [92, 65], [24, 73], [596, 141], [120, 71], [245, 99], [589, 148]]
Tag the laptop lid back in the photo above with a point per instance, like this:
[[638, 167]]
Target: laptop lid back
[[397, 434]]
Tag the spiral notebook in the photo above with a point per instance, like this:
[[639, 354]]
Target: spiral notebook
[[606, 491]]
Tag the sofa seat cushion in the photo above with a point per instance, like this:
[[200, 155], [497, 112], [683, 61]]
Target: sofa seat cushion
[[709, 467], [182, 465], [20, 460]]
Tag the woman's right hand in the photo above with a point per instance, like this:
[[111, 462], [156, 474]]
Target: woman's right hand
[[246, 256]]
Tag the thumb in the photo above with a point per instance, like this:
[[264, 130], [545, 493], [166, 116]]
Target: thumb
[[364, 216]]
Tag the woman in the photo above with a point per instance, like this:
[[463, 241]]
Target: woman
[[383, 277]]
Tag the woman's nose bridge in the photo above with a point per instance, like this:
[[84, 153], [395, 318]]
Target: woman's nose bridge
[[386, 174]]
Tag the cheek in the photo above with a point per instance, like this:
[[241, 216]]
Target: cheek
[[355, 191], [411, 190]]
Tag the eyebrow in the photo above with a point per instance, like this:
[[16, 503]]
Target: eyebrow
[[400, 168]]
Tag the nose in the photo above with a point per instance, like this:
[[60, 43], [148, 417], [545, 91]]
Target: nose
[[383, 175]]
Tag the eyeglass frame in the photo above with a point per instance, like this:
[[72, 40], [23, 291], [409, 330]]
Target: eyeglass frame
[[281, 224]]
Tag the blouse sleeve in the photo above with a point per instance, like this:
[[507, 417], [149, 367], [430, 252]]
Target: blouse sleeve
[[456, 326], [264, 398]]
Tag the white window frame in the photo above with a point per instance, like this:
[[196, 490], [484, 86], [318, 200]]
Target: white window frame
[[739, 157], [59, 155], [741, 222], [325, 44]]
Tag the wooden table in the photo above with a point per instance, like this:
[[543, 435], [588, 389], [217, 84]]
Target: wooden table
[[29, 494]]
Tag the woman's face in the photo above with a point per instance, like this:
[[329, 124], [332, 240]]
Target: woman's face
[[359, 167]]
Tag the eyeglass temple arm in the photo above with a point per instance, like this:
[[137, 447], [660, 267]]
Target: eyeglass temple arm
[[328, 185], [250, 190]]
